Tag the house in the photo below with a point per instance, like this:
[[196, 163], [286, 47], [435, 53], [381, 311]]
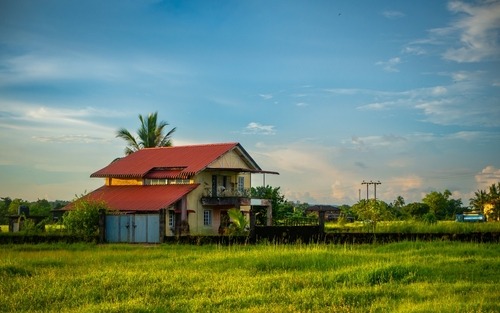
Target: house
[[180, 189], [331, 212]]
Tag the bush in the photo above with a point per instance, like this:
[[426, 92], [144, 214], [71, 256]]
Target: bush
[[83, 220], [429, 218]]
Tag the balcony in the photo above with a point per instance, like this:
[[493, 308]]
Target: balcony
[[225, 201], [226, 197]]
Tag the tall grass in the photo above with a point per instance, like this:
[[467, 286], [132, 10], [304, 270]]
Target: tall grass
[[399, 277], [451, 227]]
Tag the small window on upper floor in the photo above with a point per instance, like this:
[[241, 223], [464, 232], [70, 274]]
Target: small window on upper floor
[[241, 184]]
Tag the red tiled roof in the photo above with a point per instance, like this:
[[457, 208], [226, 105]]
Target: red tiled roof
[[323, 208], [188, 159], [160, 174], [139, 197]]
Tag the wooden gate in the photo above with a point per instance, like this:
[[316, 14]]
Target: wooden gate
[[133, 228]]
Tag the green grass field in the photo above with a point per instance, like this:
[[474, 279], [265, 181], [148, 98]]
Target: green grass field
[[399, 277], [451, 227]]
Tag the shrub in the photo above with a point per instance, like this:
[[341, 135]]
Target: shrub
[[429, 218], [83, 220], [239, 225]]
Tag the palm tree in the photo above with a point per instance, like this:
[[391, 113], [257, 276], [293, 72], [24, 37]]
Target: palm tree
[[149, 135], [479, 200]]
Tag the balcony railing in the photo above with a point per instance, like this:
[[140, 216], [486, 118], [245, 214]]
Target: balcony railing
[[226, 197], [225, 201]]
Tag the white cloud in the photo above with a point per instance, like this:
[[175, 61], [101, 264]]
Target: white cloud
[[70, 139], [376, 141], [35, 113], [254, 128], [78, 66], [459, 76], [439, 91], [467, 135], [266, 96], [404, 184], [390, 65], [458, 111], [376, 106], [415, 50], [478, 27], [390, 14], [51, 124], [308, 174], [488, 176], [452, 104]]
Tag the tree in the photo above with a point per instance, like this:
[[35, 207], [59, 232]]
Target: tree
[[4, 210], [479, 200], [277, 201], [442, 206], [372, 211], [396, 207], [494, 200], [488, 202], [149, 135], [399, 202], [15, 204], [41, 207], [416, 209]]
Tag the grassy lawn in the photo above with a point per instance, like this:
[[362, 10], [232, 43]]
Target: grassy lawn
[[399, 277]]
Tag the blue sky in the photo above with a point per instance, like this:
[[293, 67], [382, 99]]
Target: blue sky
[[328, 93]]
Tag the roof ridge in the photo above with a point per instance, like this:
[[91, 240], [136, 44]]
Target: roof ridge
[[195, 145]]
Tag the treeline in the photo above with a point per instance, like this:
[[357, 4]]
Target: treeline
[[434, 206], [41, 207]]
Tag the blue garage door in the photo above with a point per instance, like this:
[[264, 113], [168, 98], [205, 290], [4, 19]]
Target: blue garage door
[[133, 228]]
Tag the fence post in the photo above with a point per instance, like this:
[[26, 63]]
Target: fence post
[[102, 226], [321, 222], [270, 214], [162, 230], [253, 221]]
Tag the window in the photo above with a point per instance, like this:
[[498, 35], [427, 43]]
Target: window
[[241, 184], [207, 217], [164, 181], [171, 218], [155, 182]]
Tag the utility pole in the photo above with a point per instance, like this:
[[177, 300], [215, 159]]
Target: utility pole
[[375, 186], [371, 182], [367, 184]]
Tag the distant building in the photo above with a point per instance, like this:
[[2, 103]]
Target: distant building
[[332, 213]]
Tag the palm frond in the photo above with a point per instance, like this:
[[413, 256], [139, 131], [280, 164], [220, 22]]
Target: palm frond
[[149, 134]]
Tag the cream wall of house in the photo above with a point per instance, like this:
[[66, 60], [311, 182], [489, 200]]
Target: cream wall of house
[[230, 159], [196, 220], [122, 182]]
